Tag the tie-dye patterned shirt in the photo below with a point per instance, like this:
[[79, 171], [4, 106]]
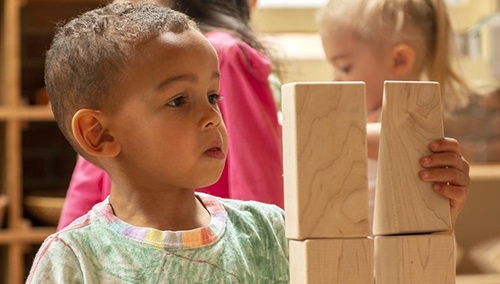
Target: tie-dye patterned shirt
[[244, 243]]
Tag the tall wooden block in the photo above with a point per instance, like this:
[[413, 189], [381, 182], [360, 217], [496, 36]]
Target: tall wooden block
[[332, 261], [415, 259], [324, 154], [411, 119]]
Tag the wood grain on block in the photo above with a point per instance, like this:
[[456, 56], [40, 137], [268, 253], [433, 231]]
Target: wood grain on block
[[411, 119], [331, 261], [415, 259], [324, 154]]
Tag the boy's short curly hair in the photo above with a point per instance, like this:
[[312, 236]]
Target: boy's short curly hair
[[88, 55]]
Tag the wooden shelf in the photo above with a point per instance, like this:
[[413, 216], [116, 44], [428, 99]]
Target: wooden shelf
[[32, 235], [33, 20], [29, 113]]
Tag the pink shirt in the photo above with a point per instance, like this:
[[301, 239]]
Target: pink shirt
[[254, 169]]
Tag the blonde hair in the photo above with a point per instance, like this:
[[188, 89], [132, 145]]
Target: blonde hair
[[422, 24]]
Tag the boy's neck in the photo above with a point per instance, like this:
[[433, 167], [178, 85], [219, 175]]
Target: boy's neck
[[177, 210]]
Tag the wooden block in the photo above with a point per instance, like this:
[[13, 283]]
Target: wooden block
[[324, 154], [411, 119], [331, 261], [415, 259]]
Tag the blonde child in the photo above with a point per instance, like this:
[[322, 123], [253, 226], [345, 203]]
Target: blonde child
[[378, 40], [135, 89]]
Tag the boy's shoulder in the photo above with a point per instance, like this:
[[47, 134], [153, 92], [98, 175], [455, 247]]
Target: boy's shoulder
[[241, 205], [254, 213], [255, 207], [82, 227]]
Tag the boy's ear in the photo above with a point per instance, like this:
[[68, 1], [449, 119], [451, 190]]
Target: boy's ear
[[403, 60], [91, 133]]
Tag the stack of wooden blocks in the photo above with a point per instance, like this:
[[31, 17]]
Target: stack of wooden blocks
[[326, 187]]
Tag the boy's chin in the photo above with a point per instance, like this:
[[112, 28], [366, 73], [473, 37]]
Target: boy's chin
[[210, 181]]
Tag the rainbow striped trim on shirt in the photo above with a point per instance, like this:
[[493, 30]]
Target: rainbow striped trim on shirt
[[170, 239]]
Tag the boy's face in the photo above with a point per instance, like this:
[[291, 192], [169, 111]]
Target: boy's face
[[353, 60], [167, 120]]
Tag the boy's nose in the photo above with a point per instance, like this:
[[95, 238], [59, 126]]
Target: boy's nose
[[212, 117]]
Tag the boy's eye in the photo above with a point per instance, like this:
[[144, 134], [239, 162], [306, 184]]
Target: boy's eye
[[214, 98], [178, 101]]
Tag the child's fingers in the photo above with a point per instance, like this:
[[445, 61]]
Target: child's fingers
[[445, 159], [456, 194], [449, 172], [449, 175], [445, 145], [446, 164]]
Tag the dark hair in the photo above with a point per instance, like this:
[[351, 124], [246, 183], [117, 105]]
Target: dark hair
[[90, 53], [230, 15], [233, 16]]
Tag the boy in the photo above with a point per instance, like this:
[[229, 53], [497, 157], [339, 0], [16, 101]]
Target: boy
[[134, 89]]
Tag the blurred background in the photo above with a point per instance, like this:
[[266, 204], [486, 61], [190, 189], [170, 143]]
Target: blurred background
[[36, 162]]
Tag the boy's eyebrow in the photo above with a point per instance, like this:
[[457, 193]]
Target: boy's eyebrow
[[183, 77]]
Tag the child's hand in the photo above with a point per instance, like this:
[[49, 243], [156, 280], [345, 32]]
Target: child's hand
[[449, 172]]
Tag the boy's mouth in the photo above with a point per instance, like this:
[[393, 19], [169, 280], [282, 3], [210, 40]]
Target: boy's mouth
[[215, 152]]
